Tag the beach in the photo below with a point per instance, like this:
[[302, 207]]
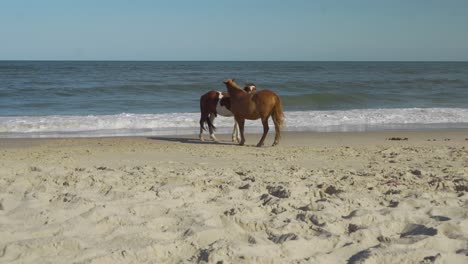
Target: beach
[[355, 197]]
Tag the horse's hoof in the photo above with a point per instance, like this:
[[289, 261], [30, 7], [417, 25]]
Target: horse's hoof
[[275, 143], [202, 139], [259, 145]]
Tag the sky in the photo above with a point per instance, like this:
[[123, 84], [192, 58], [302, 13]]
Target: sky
[[240, 30]]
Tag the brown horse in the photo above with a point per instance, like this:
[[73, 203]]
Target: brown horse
[[260, 105], [215, 103]]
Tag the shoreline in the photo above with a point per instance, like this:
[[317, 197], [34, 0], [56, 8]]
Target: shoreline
[[320, 197], [129, 124], [288, 137]]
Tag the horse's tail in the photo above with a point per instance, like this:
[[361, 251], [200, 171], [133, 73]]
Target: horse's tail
[[278, 116]]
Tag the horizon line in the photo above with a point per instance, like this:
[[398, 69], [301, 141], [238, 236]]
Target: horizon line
[[111, 60]]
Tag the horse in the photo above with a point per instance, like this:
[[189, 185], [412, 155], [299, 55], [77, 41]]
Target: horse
[[215, 103], [259, 105]]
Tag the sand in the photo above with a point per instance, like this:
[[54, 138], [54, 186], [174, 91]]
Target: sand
[[374, 197]]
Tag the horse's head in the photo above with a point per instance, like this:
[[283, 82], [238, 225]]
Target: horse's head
[[228, 81], [250, 88], [231, 84]]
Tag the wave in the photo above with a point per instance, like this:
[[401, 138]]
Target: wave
[[423, 81], [324, 100], [127, 124]]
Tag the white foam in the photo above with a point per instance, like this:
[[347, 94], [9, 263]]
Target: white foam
[[187, 123], [375, 119]]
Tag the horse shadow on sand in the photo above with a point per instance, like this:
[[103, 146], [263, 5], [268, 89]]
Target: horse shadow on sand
[[186, 140]]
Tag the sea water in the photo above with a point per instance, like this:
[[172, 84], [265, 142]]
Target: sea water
[[113, 98]]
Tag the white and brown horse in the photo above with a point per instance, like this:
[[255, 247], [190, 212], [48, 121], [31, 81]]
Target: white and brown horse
[[215, 103], [260, 105]]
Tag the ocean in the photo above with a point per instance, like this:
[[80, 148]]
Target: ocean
[[125, 98]]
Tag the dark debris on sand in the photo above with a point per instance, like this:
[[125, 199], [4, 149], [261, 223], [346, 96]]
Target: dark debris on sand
[[278, 191], [279, 239]]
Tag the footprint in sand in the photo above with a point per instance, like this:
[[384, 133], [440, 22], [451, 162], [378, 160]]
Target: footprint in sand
[[417, 229]]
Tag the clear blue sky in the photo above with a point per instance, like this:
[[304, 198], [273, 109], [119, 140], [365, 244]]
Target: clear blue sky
[[234, 30]]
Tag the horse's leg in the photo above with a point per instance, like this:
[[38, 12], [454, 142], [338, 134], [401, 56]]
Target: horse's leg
[[241, 123], [200, 136], [277, 132], [265, 131], [202, 124], [278, 119], [235, 132], [212, 136], [238, 137], [233, 136]]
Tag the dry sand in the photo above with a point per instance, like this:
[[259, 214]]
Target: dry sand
[[316, 198]]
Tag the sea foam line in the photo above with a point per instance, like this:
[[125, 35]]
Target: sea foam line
[[187, 123]]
